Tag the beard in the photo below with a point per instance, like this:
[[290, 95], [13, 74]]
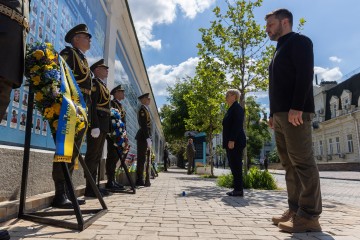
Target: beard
[[277, 33]]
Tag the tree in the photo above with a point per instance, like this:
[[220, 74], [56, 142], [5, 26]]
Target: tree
[[173, 115], [257, 127], [204, 102], [240, 46]]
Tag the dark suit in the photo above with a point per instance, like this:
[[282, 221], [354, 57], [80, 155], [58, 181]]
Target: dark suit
[[12, 51], [112, 156], [143, 133], [100, 98], [233, 131]]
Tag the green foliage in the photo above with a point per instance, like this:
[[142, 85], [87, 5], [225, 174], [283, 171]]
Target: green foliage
[[225, 180], [258, 179], [255, 179], [257, 127], [273, 156], [204, 101], [173, 115]]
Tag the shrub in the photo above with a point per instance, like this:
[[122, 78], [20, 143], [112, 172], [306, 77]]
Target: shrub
[[255, 178]]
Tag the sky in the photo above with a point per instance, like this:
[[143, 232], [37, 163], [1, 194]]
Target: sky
[[168, 32]]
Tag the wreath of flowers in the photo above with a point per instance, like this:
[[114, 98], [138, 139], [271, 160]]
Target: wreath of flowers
[[43, 73], [118, 133]]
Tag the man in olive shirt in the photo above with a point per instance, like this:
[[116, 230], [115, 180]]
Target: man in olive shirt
[[79, 38], [99, 123], [112, 156], [143, 138], [12, 52]]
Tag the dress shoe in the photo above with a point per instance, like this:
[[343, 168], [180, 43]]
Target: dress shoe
[[112, 186], [140, 183], [286, 216], [61, 201], [104, 192], [235, 193], [119, 185], [4, 235], [79, 200], [91, 194], [299, 224]]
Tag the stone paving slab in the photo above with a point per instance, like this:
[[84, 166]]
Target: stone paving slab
[[160, 212]]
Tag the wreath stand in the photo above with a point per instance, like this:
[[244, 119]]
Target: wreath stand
[[122, 158], [41, 217]]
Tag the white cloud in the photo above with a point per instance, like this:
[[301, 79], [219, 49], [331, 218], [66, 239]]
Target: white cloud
[[161, 76], [326, 74], [147, 14], [335, 59]]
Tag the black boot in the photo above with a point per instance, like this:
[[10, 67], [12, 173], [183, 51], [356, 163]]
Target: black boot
[[112, 186], [4, 235], [79, 200], [60, 200]]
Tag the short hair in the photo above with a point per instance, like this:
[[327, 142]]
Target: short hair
[[281, 14], [234, 92]]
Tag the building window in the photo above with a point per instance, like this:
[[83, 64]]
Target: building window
[[331, 147], [321, 147], [314, 149], [337, 139], [350, 143], [333, 112]]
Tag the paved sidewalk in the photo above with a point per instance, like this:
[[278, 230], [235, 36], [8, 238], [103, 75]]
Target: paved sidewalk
[[160, 212]]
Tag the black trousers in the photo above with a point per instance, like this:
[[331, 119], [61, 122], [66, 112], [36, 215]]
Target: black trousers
[[93, 154], [141, 158], [111, 160], [235, 162]]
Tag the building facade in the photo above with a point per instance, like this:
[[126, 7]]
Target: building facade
[[114, 39], [337, 121]]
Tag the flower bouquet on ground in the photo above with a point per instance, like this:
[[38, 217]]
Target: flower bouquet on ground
[[57, 97]]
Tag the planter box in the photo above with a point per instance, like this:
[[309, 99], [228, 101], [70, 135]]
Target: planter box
[[122, 179], [203, 170]]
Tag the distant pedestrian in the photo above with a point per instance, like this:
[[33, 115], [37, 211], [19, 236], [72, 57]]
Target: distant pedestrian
[[291, 111], [190, 154], [166, 157], [266, 163]]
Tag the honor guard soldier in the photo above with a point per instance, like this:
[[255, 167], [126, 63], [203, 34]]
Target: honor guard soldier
[[143, 137], [112, 156], [14, 16], [79, 38], [99, 123]]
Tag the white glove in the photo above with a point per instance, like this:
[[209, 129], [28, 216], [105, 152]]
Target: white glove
[[95, 132], [149, 143]]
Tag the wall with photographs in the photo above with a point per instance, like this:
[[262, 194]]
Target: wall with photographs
[[49, 22]]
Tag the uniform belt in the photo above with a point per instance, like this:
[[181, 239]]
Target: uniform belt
[[86, 91], [11, 13], [103, 109]]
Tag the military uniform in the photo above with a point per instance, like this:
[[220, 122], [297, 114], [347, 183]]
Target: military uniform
[[141, 137], [112, 155], [81, 71], [12, 48], [100, 98]]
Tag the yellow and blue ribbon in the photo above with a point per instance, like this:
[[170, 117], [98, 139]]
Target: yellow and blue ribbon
[[73, 104]]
